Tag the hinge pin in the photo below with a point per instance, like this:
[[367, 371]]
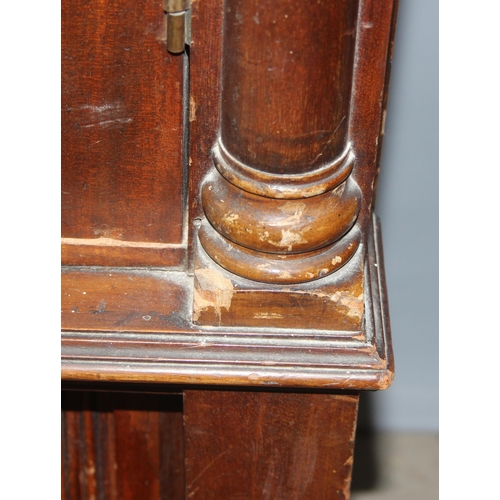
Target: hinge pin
[[178, 17]]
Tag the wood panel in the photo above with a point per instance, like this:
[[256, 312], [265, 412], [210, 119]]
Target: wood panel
[[122, 135], [375, 36], [118, 300], [267, 446], [122, 446]]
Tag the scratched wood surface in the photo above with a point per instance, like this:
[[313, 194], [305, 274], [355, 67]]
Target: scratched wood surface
[[122, 136], [118, 300], [268, 446], [289, 198], [135, 325], [122, 446], [124, 203]]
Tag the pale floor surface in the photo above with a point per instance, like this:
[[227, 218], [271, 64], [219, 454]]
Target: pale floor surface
[[396, 466]]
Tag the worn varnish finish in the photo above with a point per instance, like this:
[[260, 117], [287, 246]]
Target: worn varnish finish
[[275, 225], [221, 299], [109, 252], [143, 336], [269, 445], [122, 446], [216, 444], [375, 34], [122, 136], [285, 115], [282, 146], [123, 300], [267, 223]]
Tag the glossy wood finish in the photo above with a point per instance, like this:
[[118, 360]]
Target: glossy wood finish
[[221, 299], [269, 445], [375, 36], [117, 253], [122, 446], [124, 300], [267, 224], [275, 225], [123, 182], [373, 22], [278, 269]]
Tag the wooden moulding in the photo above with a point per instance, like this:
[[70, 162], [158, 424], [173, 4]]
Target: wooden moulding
[[121, 325], [281, 183], [223, 299], [108, 252]]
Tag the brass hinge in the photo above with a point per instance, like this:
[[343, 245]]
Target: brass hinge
[[178, 14]]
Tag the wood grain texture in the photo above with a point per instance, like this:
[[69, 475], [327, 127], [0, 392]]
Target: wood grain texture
[[117, 253], [114, 300], [259, 135], [205, 57], [283, 141], [122, 129], [269, 445], [280, 226], [323, 83], [175, 351], [374, 40], [137, 434], [122, 446], [335, 303], [275, 268], [71, 455], [287, 70]]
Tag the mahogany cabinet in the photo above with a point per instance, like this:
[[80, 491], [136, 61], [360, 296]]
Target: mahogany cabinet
[[223, 290]]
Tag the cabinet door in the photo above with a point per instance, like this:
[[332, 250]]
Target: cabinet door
[[123, 178]]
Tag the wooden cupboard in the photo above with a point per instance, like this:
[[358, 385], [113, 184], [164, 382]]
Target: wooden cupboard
[[223, 291]]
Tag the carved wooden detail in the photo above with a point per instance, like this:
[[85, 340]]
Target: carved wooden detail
[[280, 200], [136, 326], [286, 200], [218, 232], [299, 233], [286, 82]]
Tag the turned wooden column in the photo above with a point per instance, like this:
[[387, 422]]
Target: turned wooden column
[[280, 202], [286, 204]]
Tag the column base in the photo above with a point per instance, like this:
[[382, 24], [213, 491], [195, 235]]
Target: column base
[[335, 302]]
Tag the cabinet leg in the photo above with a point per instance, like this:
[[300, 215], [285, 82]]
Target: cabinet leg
[[268, 445]]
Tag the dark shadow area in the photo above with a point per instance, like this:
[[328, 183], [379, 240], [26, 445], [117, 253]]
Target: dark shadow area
[[98, 401], [365, 474], [122, 444]]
